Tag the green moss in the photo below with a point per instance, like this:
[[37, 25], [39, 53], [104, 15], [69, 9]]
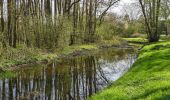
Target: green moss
[[149, 78]]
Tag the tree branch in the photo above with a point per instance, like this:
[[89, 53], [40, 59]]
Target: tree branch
[[73, 4], [105, 11]]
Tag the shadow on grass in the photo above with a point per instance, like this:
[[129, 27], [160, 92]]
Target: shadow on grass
[[154, 91], [166, 97]]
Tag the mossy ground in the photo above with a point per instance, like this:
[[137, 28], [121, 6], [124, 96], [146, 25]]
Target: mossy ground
[[148, 79]]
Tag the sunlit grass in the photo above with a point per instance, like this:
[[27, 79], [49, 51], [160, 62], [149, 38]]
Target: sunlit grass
[[139, 40], [148, 79], [71, 49]]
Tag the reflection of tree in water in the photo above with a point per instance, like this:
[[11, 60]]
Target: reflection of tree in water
[[75, 82], [72, 79], [114, 54]]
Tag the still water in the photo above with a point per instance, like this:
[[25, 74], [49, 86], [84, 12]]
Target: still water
[[70, 78]]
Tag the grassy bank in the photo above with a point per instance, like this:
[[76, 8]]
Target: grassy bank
[[149, 78]]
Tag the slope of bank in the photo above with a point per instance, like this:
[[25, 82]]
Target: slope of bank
[[149, 78]]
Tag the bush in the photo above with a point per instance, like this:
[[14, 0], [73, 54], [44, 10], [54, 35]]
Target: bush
[[108, 30]]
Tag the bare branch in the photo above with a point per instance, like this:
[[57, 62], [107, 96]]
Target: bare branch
[[110, 4]]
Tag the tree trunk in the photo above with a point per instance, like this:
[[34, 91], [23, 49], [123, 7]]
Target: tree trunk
[[2, 18], [151, 15]]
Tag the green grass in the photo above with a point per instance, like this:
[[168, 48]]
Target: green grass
[[136, 40], [145, 40], [75, 48], [148, 79]]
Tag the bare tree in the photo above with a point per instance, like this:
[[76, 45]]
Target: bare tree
[[151, 12], [2, 18], [107, 4], [132, 10], [165, 13]]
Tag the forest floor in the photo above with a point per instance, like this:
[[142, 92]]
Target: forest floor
[[148, 78]]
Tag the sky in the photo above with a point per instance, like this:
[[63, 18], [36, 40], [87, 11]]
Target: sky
[[118, 8]]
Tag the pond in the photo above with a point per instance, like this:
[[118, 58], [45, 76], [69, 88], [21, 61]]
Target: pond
[[70, 78]]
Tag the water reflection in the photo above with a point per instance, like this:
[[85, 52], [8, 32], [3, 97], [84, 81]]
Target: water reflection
[[73, 78]]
